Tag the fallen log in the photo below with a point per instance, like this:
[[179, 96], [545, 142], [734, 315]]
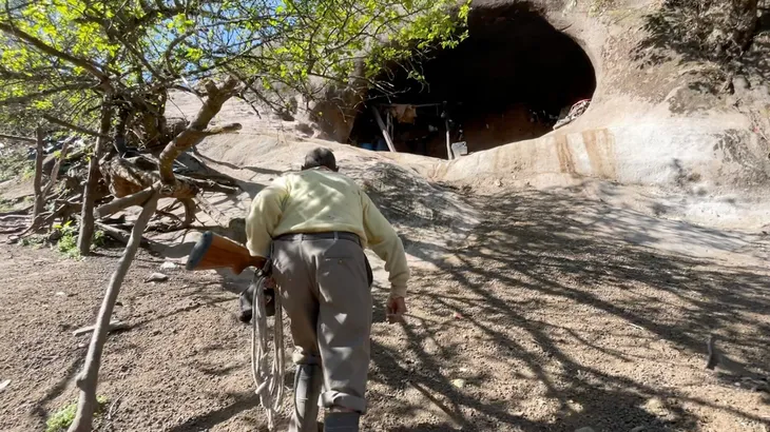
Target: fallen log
[[118, 204], [121, 236], [18, 138], [17, 212]]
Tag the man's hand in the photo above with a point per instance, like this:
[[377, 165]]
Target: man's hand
[[396, 308]]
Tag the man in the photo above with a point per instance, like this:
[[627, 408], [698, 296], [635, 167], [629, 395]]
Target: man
[[314, 225]]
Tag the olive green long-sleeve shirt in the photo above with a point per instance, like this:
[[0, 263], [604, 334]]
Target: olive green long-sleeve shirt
[[319, 200]]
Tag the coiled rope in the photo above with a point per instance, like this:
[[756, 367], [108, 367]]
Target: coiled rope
[[268, 379]]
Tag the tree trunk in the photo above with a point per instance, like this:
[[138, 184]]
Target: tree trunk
[[87, 213], [196, 131], [88, 379], [38, 182]]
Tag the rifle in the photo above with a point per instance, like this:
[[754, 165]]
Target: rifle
[[216, 252]]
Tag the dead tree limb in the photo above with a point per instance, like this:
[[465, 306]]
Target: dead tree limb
[[208, 208], [74, 127], [383, 129], [55, 173], [120, 235], [119, 204], [38, 182], [189, 211], [114, 325], [87, 381], [89, 196], [18, 138]]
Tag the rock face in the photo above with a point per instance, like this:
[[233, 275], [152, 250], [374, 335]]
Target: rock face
[[676, 105], [662, 114]]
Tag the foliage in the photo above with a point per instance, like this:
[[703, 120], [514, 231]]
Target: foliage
[[35, 241], [6, 205], [63, 418], [347, 42], [100, 239], [67, 244], [63, 56]]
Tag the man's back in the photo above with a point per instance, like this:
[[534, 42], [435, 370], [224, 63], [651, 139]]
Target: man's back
[[319, 201]]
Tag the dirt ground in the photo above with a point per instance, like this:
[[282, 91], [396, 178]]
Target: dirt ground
[[551, 312]]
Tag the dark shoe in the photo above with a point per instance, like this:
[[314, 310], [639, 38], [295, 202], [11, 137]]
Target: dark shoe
[[307, 389], [341, 422]]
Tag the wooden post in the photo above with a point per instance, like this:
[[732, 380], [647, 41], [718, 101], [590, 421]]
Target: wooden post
[[86, 233], [38, 183], [448, 141], [384, 129]]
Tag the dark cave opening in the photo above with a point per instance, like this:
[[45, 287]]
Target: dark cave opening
[[510, 80]]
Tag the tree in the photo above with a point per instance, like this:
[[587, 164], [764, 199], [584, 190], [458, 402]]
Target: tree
[[106, 67], [105, 59]]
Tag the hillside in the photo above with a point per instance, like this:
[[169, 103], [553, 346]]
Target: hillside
[[563, 282]]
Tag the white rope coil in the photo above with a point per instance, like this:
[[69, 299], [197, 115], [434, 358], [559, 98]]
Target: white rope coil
[[268, 381]]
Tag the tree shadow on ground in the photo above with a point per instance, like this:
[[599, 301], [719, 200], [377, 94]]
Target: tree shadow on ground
[[39, 410], [707, 32], [547, 287], [244, 401], [537, 263]]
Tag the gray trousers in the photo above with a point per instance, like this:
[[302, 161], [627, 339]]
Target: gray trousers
[[326, 294]]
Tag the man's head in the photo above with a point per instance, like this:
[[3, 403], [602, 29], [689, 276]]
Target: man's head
[[320, 157]]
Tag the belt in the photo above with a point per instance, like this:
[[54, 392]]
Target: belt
[[323, 235]]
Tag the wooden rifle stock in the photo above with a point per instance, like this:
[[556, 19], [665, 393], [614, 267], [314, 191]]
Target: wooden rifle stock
[[216, 252]]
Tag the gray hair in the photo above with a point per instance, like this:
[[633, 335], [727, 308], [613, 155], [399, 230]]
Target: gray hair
[[320, 157]]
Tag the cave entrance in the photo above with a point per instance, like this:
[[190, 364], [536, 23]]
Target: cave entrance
[[510, 80]]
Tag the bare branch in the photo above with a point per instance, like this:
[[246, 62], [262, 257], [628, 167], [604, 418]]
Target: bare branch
[[86, 234], [55, 172], [71, 126], [38, 182], [18, 138], [196, 131], [89, 377]]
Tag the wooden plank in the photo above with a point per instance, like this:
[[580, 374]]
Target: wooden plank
[[384, 129]]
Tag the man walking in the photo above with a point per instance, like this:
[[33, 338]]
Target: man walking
[[314, 225]]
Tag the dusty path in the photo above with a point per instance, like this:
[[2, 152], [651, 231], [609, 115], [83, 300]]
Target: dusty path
[[550, 312]]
